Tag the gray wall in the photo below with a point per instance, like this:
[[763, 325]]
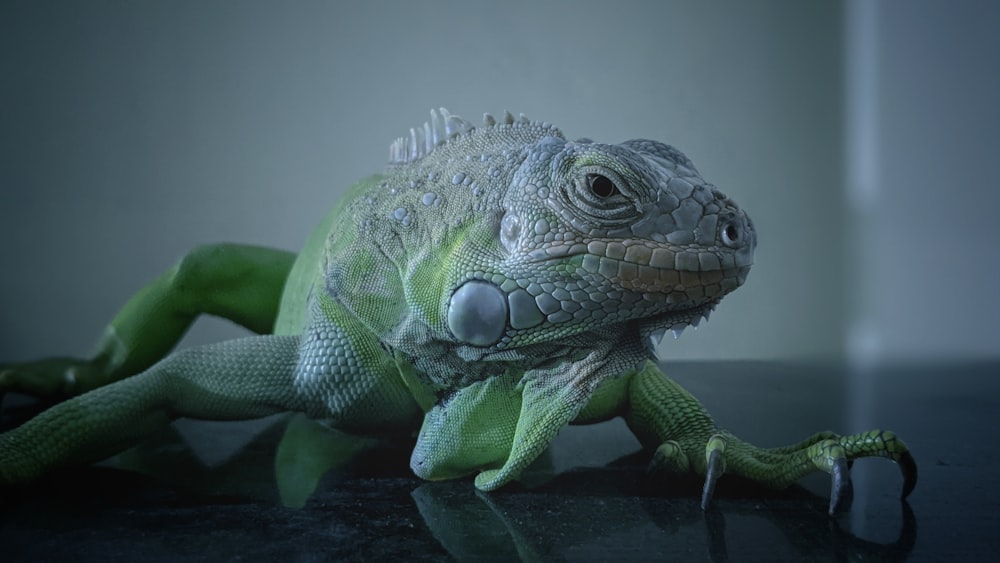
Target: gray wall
[[924, 269], [130, 132]]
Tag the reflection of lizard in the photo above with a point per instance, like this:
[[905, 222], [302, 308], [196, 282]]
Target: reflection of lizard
[[497, 282]]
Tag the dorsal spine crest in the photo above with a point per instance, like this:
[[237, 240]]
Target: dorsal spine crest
[[441, 128]]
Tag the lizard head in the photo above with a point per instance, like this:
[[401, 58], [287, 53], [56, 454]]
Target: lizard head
[[596, 235]]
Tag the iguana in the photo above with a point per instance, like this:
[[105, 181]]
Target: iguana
[[496, 283]]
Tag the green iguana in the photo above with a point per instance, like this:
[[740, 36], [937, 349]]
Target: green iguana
[[493, 285]]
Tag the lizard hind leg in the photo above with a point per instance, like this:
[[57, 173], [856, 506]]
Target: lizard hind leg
[[236, 282]]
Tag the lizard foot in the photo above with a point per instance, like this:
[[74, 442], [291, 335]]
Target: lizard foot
[[781, 467], [51, 378]]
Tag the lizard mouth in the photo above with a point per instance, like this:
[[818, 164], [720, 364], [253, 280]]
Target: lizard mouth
[[680, 275]]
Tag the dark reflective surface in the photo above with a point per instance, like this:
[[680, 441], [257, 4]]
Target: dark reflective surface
[[210, 490]]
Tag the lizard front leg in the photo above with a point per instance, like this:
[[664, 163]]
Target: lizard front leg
[[665, 416], [336, 371], [498, 426]]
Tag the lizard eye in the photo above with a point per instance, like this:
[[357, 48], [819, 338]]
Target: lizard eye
[[600, 197], [601, 186]]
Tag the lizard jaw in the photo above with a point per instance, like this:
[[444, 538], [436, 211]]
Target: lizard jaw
[[652, 330]]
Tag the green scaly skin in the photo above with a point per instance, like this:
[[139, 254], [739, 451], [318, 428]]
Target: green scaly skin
[[493, 285]]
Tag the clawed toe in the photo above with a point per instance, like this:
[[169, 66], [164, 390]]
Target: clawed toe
[[781, 467]]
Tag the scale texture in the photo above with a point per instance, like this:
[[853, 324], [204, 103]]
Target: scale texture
[[495, 283]]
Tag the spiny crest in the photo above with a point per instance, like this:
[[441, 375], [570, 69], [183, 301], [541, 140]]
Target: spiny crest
[[442, 127]]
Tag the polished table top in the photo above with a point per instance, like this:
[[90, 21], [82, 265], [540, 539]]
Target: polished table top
[[208, 490]]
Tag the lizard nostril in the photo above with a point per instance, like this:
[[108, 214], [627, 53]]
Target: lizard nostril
[[731, 234]]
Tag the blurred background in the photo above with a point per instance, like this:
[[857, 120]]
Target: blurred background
[[861, 137]]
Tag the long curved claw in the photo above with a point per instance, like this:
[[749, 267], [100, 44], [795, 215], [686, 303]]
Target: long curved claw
[[716, 467], [908, 467], [841, 487]]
